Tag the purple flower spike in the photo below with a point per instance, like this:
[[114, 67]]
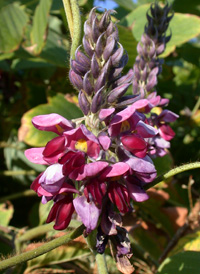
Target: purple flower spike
[[52, 122], [88, 213]]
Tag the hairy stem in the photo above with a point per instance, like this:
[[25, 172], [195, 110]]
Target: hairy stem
[[172, 172], [76, 27], [101, 263], [26, 256], [68, 13], [74, 22]]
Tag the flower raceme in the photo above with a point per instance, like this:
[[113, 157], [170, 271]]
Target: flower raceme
[[97, 169]]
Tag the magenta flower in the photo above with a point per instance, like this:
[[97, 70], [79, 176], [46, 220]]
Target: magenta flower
[[52, 122], [123, 122], [88, 213], [82, 139], [61, 212]]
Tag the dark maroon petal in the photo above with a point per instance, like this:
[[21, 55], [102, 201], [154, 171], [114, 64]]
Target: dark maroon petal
[[35, 184], [135, 145], [166, 132], [64, 214]]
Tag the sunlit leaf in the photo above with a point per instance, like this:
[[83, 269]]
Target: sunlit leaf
[[184, 263], [40, 21], [44, 210], [128, 4], [6, 213], [129, 43], [57, 104], [13, 19], [184, 27], [189, 242]]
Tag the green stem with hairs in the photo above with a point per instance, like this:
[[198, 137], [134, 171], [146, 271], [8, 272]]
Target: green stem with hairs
[[74, 22], [68, 13], [173, 172], [26, 256], [17, 172], [101, 263]]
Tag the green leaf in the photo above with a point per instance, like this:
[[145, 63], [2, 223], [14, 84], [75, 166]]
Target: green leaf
[[129, 43], [189, 242], [44, 210], [6, 213], [40, 21], [184, 263], [128, 4], [65, 253], [16, 161], [184, 27], [13, 19], [163, 164], [57, 104], [55, 51]]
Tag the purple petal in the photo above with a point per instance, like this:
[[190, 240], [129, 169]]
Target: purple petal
[[146, 131], [137, 193], [104, 141], [168, 116], [88, 212], [115, 170], [105, 113], [35, 155], [88, 170], [52, 122]]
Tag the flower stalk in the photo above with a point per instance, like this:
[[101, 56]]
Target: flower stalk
[[74, 22], [26, 256], [172, 173]]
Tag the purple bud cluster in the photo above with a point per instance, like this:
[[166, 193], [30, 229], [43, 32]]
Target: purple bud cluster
[[152, 44], [99, 167], [96, 73]]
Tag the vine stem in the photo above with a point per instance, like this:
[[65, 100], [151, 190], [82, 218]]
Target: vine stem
[[101, 263], [173, 172], [26, 256], [74, 22]]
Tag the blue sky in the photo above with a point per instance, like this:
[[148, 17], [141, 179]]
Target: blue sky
[[108, 4]]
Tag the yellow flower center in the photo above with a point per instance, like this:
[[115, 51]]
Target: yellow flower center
[[141, 110], [59, 129], [125, 126], [115, 178], [81, 145]]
